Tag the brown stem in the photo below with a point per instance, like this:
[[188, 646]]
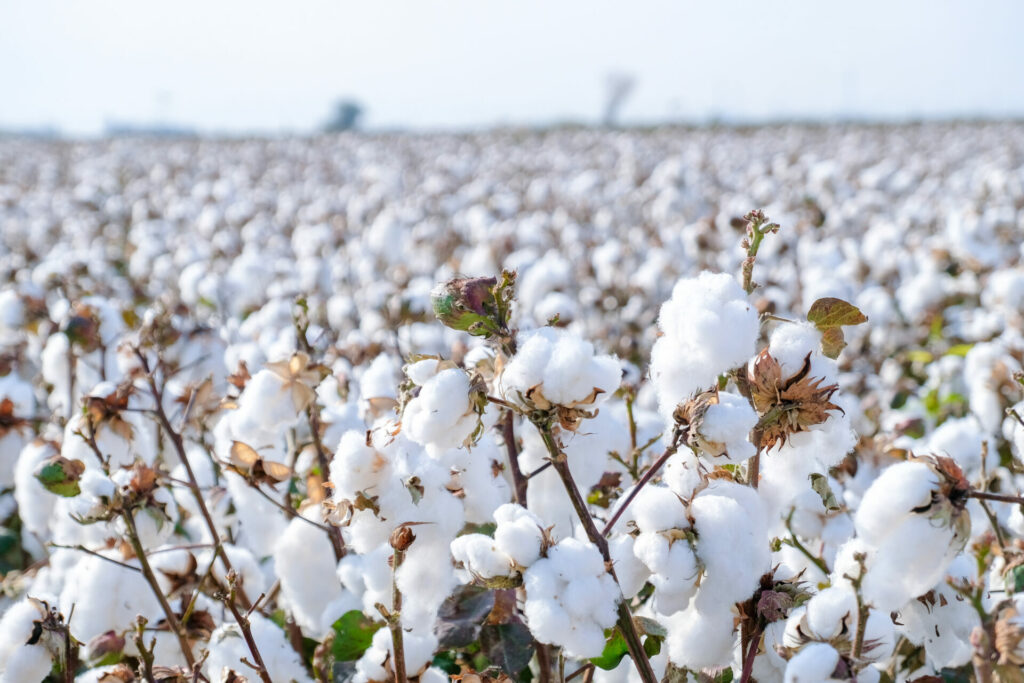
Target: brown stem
[[147, 571], [625, 620], [243, 624], [518, 480], [748, 661], [313, 417], [999, 497], [543, 663], [193, 483], [395, 619], [145, 655], [648, 475]]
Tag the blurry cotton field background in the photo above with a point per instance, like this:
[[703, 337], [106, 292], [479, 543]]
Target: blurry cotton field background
[[683, 402]]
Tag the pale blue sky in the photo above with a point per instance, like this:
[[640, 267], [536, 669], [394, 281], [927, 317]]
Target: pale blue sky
[[250, 65]]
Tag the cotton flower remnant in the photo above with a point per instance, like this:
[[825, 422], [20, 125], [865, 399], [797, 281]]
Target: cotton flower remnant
[[787, 406]]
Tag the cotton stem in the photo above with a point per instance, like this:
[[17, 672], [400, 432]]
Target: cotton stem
[[625, 619]]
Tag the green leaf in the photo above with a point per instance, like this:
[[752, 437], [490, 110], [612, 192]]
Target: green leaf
[[1014, 579], [819, 482], [507, 646], [959, 350], [353, 633], [652, 646], [614, 650]]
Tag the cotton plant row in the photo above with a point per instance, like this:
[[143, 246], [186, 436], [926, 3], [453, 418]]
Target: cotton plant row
[[530, 509]]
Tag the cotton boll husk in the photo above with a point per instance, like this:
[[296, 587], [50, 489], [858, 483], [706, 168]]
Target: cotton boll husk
[[305, 564], [228, 648], [698, 639], [814, 663]]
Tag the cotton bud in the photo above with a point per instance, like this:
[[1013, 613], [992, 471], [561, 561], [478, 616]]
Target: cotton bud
[[109, 643], [402, 538], [463, 303]]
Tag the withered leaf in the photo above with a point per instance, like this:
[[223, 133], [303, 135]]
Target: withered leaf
[[832, 312]]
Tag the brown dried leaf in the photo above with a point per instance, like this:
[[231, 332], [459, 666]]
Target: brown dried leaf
[[832, 312]]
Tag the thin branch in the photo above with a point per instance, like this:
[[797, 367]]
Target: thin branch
[[998, 497], [648, 475], [509, 435], [179, 447], [625, 620], [83, 549], [147, 571], [243, 624]]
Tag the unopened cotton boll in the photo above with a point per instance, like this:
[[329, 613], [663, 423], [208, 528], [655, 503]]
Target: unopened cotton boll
[[708, 328]]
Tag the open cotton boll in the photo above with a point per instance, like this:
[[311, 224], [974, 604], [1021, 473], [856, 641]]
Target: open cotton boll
[[898, 489], [374, 665], [356, 466], [556, 366], [708, 327], [728, 424], [305, 565], [570, 599], [441, 415], [518, 534], [428, 575], [228, 648], [106, 596], [657, 508], [814, 663], [629, 570], [480, 556], [19, 661], [942, 624], [698, 639]]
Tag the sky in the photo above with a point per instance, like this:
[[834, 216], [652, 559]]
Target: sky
[[248, 66]]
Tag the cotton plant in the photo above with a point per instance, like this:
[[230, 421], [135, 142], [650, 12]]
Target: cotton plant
[[629, 464]]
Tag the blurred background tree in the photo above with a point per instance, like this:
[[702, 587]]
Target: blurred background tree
[[346, 116]]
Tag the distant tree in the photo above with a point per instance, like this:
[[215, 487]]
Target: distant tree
[[346, 116], [618, 86]]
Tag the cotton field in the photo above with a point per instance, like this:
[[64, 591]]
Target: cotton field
[[675, 404]]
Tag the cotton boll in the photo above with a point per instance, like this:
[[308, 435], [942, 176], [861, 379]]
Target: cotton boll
[[657, 508], [728, 423], [106, 597], [683, 474], [961, 439], [558, 367], [518, 534], [708, 328], [35, 504], [698, 639], [19, 661], [629, 570], [305, 564], [898, 490], [441, 415], [814, 663], [570, 599]]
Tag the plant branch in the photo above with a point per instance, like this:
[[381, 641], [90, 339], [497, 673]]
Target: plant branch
[[147, 571], [243, 624], [625, 620], [648, 475], [395, 618], [509, 435]]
